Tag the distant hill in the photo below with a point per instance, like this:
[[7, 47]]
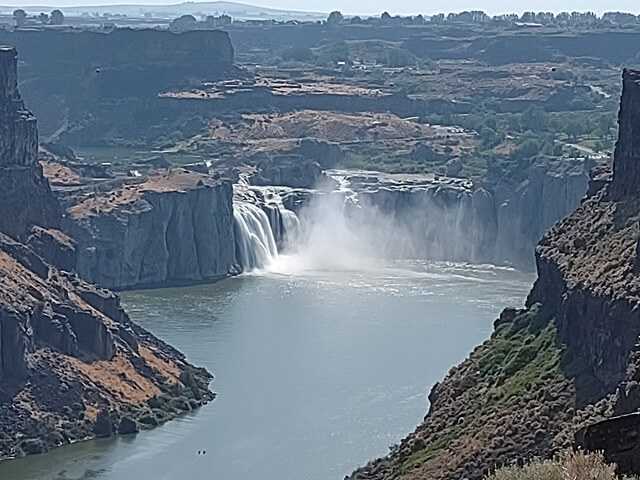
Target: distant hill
[[236, 10]]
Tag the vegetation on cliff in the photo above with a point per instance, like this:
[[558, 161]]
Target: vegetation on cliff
[[567, 466], [509, 394]]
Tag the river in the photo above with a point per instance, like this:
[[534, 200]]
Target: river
[[317, 370]]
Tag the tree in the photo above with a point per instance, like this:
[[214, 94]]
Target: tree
[[335, 18], [526, 149], [19, 17], [489, 137], [399, 57], [605, 124], [57, 18], [619, 18], [212, 22], [492, 122], [533, 119], [184, 22], [573, 128], [44, 18], [297, 54], [385, 18]]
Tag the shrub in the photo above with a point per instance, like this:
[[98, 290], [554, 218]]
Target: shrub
[[567, 466]]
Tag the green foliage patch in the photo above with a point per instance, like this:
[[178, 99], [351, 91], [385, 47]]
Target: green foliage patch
[[520, 356]]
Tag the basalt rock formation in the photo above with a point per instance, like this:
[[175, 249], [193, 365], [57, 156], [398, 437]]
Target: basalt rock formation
[[25, 195], [174, 227], [104, 84], [570, 358], [72, 363], [453, 220]]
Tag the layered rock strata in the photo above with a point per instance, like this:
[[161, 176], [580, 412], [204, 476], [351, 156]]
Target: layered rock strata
[[103, 84]]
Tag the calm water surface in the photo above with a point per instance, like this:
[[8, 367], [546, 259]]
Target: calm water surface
[[316, 371]]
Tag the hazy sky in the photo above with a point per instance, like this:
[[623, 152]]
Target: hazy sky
[[392, 6]]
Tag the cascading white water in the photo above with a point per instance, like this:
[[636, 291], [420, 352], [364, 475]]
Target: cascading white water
[[262, 225], [290, 227], [255, 244]]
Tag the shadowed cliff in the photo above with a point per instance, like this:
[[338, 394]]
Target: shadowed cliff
[[25, 196], [90, 85]]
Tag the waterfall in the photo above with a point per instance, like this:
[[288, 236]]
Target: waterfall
[[288, 228], [291, 227], [262, 226], [255, 244]]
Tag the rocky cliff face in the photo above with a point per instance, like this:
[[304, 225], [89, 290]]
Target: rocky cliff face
[[569, 359], [175, 227], [25, 196], [626, 168], [102, 85], [450, 219], [72, 364]]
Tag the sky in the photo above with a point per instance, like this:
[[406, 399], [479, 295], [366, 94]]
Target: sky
[[394, 7]]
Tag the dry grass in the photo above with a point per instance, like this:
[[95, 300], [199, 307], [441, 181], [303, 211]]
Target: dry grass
[[567, 466]]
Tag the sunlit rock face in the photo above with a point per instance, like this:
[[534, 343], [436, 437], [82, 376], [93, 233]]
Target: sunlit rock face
[[175, 227]]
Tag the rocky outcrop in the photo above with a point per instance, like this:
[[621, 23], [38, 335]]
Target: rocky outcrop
[[293, 171], [618, 436], [69, 351], [72, 364], [626, 168], [58, 248], [571, 358], [25, 196], [174, 227], [327, 154]]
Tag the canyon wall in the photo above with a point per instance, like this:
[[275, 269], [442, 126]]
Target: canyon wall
[[176, 227], [25, 195], [567, 360], [72, 364], [452, 220], [94, 85]]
